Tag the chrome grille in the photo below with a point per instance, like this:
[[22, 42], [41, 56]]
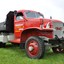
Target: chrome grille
[[58, 26]]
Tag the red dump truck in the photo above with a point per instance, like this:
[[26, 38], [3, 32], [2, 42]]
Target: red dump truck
[[33, 32]]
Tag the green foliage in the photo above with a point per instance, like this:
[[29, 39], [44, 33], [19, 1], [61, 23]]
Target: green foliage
[[14, 55]]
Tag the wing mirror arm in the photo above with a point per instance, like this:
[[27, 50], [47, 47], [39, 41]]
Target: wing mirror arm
[[25, 18]]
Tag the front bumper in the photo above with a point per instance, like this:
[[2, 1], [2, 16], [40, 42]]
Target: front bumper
[[56, 40]]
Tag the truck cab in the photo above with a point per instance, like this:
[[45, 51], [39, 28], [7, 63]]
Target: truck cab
[[26, 19]]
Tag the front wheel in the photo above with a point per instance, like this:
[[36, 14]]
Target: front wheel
[[34, 47]]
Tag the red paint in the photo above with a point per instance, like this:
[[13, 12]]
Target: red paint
[[16, 40], [36, 32], [34, 44], [32, 26]]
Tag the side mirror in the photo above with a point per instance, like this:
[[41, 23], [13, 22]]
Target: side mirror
[[50, 17]]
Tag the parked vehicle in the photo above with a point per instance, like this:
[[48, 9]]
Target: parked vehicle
[[33, 32]]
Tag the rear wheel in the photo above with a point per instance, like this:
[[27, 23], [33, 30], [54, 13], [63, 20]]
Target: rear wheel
[[2, 45], [35, 47], [58, 50]]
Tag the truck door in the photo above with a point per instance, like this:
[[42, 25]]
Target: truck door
[[18, 24]]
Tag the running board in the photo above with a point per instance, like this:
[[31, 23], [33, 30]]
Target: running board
[[16, 41]]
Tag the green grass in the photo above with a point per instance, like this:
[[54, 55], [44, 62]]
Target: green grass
[[14, 55]]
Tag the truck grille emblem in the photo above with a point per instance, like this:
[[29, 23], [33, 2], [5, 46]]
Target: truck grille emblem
[[58, 28]]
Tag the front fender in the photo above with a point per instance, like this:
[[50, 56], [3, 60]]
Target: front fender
[[35, 32]]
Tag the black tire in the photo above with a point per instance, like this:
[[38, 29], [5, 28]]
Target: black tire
[[58, 50], [41, 47], [2, 45], [22, 45]]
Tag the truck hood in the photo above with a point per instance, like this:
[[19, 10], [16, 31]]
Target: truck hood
[[49, 22], [32, 23]]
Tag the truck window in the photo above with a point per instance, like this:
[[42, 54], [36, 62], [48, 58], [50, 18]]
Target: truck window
[[39, 15], [30, 14], [19, 16]]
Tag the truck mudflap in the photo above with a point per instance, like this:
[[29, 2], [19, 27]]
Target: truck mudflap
[[57, 41]]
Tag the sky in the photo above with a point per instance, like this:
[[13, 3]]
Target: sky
[[54, 8]]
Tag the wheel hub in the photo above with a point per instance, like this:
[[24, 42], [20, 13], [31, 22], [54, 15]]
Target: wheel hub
[[33, 47], [30, 48]]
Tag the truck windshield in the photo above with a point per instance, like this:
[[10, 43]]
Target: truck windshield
[[30, 14]]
